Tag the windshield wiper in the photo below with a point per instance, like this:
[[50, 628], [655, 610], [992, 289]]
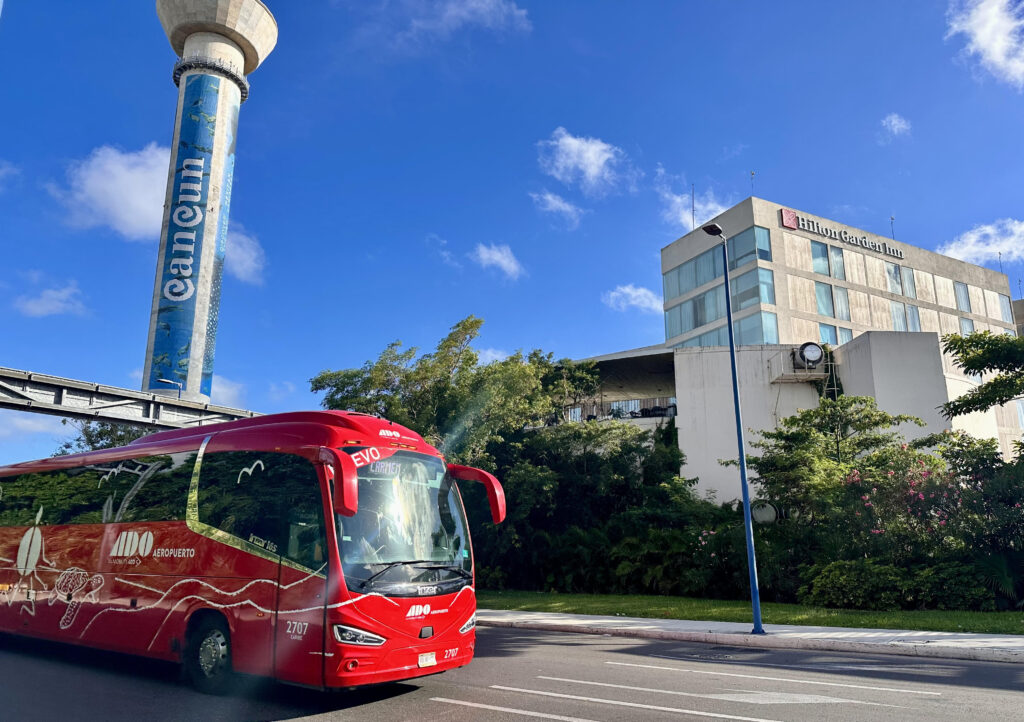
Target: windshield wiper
[[450, 567], [390, 566]]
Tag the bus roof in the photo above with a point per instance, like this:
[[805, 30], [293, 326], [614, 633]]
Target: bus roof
[[365, 430]]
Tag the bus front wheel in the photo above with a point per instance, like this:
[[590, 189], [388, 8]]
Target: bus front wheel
[[208, 656]]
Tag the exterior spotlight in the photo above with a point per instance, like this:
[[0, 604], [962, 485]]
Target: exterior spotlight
[[712, 229], [808, 356]]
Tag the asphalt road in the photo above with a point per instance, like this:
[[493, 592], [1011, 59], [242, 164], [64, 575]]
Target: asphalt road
[[520, 675]]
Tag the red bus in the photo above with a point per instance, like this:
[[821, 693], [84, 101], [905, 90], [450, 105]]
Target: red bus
[[326, 549]]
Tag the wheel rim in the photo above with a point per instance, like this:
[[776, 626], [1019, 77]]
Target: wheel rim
[[213, 653]]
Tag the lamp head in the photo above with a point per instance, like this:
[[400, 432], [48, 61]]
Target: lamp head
[[713, 229]]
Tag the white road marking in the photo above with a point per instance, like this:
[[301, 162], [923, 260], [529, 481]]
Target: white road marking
[[510, 710], [740, 695], [935, 670], [636, 705], [777, 679]]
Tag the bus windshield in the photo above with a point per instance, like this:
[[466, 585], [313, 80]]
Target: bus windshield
[[409, 537]]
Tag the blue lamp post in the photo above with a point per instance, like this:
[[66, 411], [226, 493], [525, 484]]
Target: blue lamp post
[[713, 229]]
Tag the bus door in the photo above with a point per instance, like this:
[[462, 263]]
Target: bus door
[[301, 597]]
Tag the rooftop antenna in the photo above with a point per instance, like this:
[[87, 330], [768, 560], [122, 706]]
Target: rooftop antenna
[[751, 182], [892, 227], [1000, 261]]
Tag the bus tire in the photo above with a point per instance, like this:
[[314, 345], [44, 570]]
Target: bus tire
[[207, 659]]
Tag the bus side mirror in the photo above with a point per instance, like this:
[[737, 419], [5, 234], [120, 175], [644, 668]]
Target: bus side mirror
[[346, 480], [495, 494]]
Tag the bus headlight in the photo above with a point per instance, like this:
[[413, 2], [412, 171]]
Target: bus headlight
[[470, 624], [351, 635]]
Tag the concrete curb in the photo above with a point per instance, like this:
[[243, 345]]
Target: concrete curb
[[770, 641]]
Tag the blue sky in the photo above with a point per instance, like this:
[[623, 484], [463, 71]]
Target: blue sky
[[403, 164]]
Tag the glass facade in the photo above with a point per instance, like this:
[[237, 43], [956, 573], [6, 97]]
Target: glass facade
[[966, 326], [1005, 309], [894, 278], [828, 260], [842, 303], [823, 294], [819, 258], [748, 289], [963, 298], [909, 285], [754, 330], [899, 316], [756, 286], [845, 335], [913, 318], [828, 334], [753, 243], [835, 256]]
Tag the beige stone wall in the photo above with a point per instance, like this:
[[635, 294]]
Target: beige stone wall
[[881, 313], [992, 305], [948, 323], [977, 297], [925, 286], [801, 295], [805, 329], [944, 294], [855, 271], [930, 320], [860, 308], [798, 251], [876, 273]]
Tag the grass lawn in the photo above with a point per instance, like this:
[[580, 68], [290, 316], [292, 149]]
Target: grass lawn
[[715, 610]]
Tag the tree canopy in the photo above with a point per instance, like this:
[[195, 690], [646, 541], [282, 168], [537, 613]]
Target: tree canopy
[[986, 353]]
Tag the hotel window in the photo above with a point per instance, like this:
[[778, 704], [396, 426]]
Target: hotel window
[[909, 285], [828, 334], [966, 326], [819, 258], [744, 247], [1005, 308], [963, 298], [696, 272], [694, 312], [1020, 413], [892, 274], [823, 294], [841, 298], [913, 318], [845, 335], [754, 330], [756, 286], [899, 316], [835, 256]]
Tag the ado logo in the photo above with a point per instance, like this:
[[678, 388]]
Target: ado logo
[[418, 610], [130, 543], [389, 433]]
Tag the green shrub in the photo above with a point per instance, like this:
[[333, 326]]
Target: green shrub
[[951, 585], [860, 584]]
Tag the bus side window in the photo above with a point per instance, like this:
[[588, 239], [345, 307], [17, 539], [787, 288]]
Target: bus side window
[[303, 531], [162, 494]]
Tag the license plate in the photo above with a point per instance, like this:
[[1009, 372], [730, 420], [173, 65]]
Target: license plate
[[428, 659]]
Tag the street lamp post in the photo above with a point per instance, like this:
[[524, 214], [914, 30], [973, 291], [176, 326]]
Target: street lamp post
[[713, 229], [172, 383]]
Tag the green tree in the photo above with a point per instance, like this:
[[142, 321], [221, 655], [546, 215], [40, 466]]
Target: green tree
[[93, 435], [986, 353]]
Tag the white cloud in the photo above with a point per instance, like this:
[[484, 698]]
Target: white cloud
[[244, 258], [630, 296], [499, 256], [279, 391], [894, 125], [18, 423], [552, 203], [225, 392], [995, 35], [680, 209], [123, 190], [53, 301], [7, 171], [986, 242], [597, 166], [442, 250], [489, 355], [440, 20]]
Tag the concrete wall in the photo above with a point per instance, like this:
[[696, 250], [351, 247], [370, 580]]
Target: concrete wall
[[706, 421]]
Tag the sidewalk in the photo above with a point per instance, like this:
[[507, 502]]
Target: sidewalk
[[949, 645]]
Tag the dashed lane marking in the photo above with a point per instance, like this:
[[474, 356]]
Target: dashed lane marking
[[635, 705], [740, 695], [777, 679], [510, 710]]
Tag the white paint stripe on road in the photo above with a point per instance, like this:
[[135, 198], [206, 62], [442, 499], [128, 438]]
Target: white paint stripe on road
[[741, 695], [637, 705], [775, 679], [510, 710]]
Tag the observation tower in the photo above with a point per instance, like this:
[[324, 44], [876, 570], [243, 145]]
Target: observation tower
[[219, 42]]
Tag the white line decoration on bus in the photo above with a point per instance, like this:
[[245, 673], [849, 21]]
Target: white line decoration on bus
[[68, 584], [30, 551], [249, 469]]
